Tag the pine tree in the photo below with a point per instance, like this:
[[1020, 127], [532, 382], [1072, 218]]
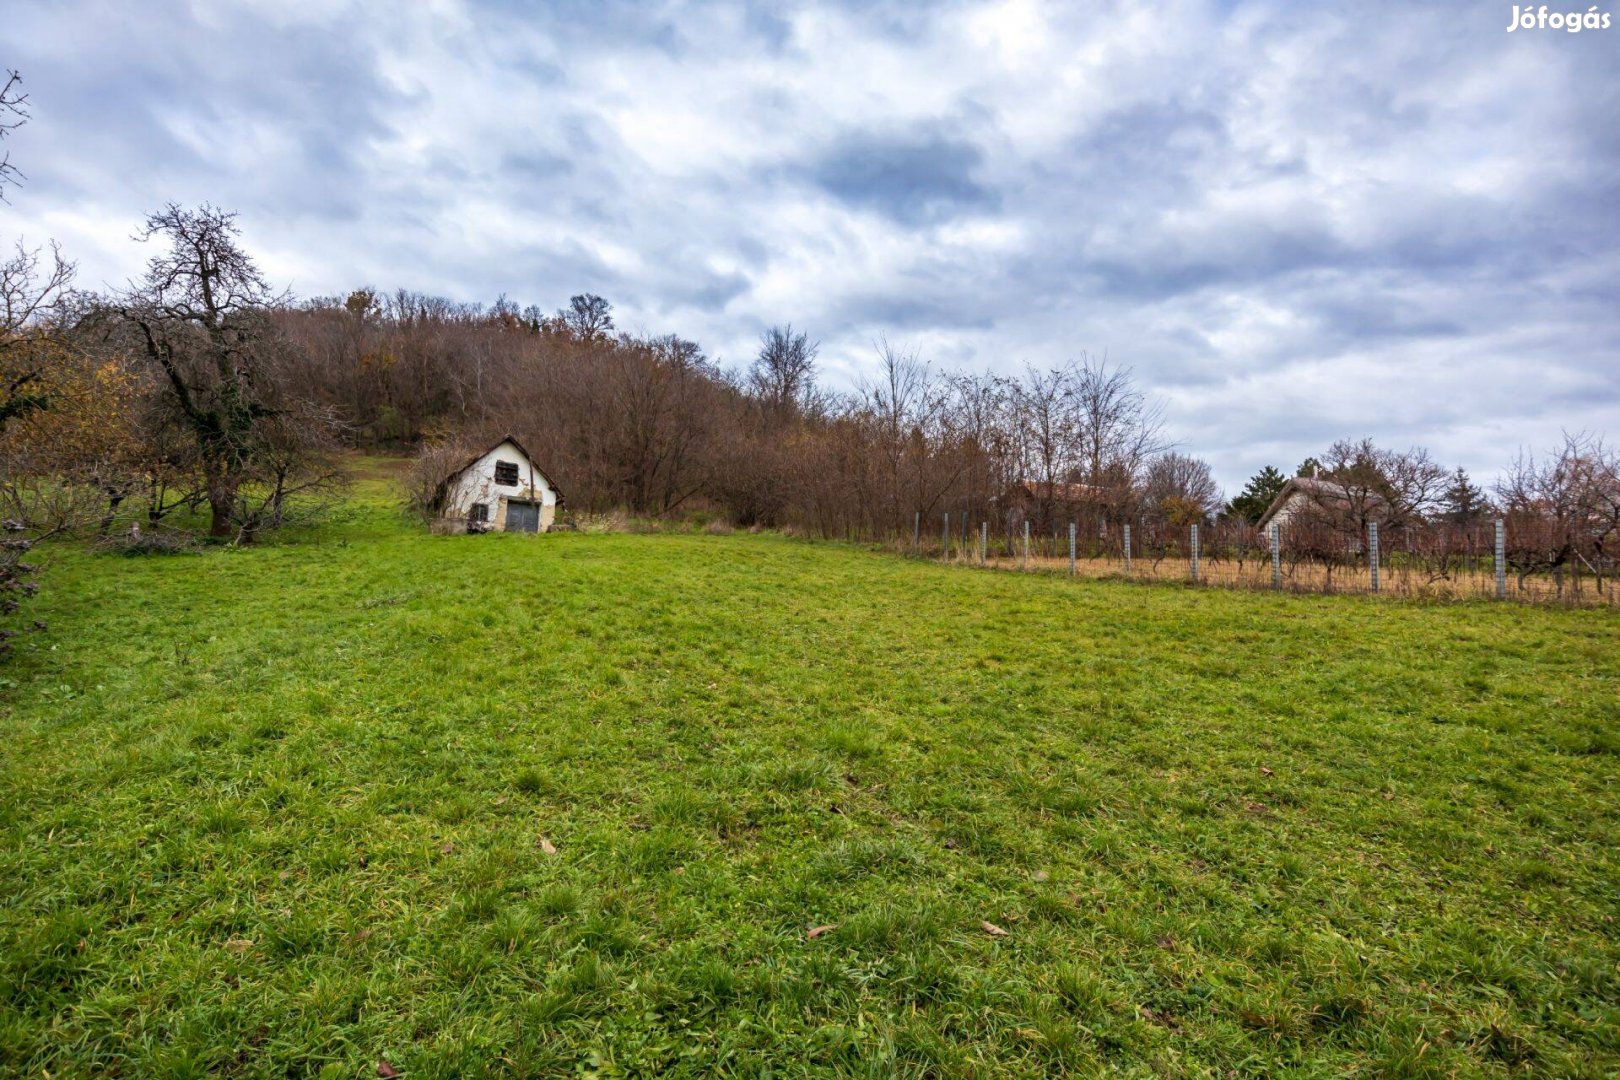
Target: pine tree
[[1258, 494], [1309, 467], [1464, 504]]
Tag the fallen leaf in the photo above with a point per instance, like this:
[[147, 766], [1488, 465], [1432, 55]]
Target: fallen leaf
[[238, 946], [1041, 875], [992, 929], [1255, 807], [361, 935], [385, 1070], [546, 846], [678, 870], [1265, 771], [1388, 795], [1166, 942], [817, 931], [500, 800], [448, 847]]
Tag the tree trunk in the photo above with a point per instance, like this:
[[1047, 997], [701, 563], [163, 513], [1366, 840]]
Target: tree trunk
[[219, 503], [105, 525]]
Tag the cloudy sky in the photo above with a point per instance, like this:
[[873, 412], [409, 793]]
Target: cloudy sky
[[1296, 222]]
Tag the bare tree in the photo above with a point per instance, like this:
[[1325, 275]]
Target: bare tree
[[588, 317], [63, 420], [29, 298], [295, 474], [1356, 483], [978, 436], [897, 402], [430, 473], [664, 418], [1396, 489], [202, 317], [1117, 430], [13, 115], [37, 370], [898, 393], [1563, 508], [1046, 433], [782, 377], [1180, 489]]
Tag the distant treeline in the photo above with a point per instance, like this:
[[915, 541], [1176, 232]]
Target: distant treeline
[[651, 426]]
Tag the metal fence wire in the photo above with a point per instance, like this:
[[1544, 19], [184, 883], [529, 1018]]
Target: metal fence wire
[[1511, 558]]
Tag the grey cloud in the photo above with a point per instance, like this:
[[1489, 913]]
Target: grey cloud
[[907, 313], [767, 25], [1264, 208], [915, 179], [535, 165]]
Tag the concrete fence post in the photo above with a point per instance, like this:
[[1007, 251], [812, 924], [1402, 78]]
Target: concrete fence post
[[1071, 549], [1372, 552], [1127, 549], [984, 542], [916, 533], [1194, 553], [1501, 559], [945, 544], [1276, 556], [1026, 543]]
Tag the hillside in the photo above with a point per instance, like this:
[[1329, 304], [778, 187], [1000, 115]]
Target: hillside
[[575, 802]]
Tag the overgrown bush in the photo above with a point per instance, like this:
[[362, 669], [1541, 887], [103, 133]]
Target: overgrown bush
[[430, 471]]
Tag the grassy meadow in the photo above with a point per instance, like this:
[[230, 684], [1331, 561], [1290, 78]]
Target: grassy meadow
[[366, 801]]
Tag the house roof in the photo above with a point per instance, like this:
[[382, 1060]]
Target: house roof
[[1060, 492], [502, 441], [1314, 488]]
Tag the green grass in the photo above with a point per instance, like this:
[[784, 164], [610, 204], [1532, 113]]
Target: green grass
[[286, 811]]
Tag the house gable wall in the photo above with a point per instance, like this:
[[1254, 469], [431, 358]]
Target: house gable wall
[[1296, 502], [476, 484]]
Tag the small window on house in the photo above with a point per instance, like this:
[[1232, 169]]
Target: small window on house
[[479, 514], [506, 473]]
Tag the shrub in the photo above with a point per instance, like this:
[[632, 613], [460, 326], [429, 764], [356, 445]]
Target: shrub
[[429, 471]]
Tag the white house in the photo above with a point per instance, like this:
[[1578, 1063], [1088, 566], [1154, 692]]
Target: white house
[[501, 490], [1312, 496], [1301, 495]]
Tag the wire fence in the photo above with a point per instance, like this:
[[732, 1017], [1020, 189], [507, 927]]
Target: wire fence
[[1530, 560]]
